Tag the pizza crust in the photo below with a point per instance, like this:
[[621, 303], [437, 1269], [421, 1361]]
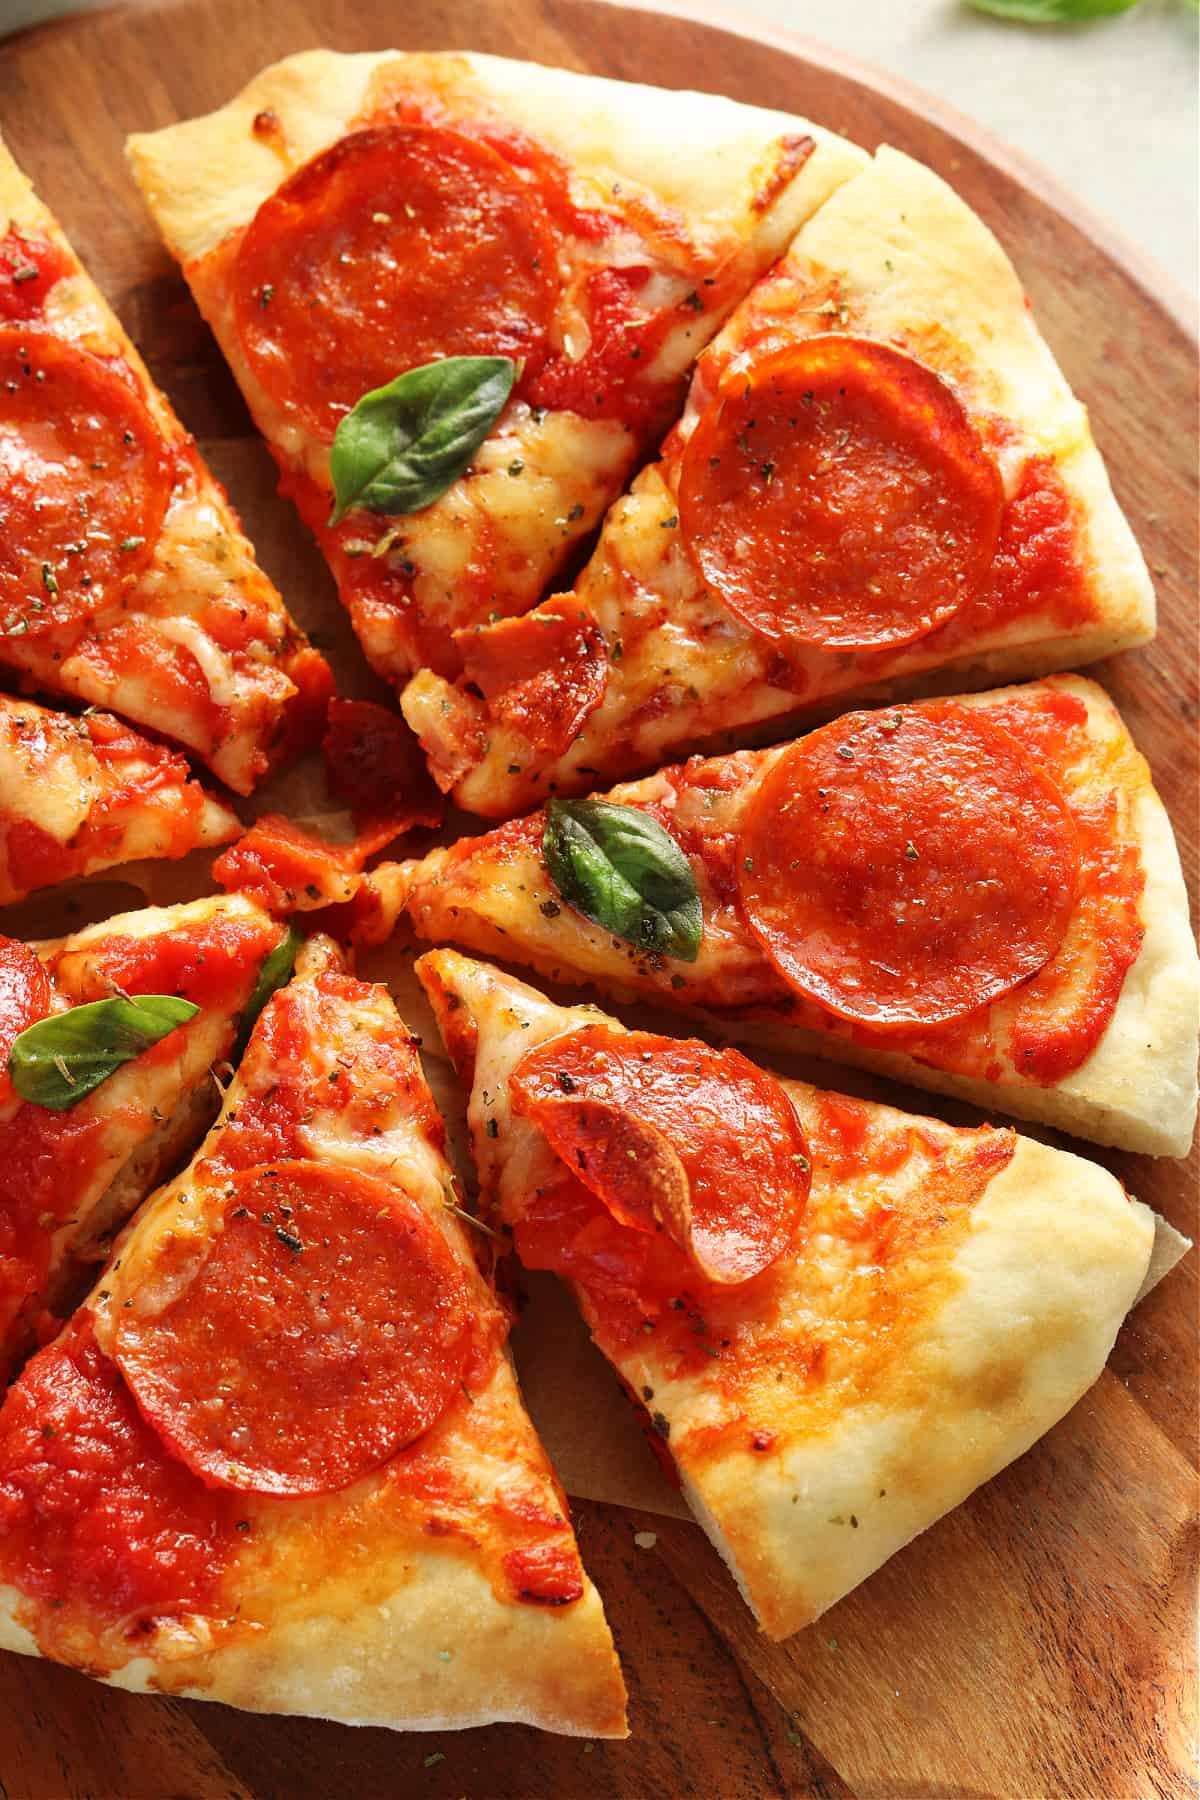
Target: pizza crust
[[493, 908], [1052, 1256], [363, 1605], [1053, 1260], [208, 176], [370, 1651]]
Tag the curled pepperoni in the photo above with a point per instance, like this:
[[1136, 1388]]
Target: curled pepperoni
[[541, 674], [902, 869], [25, 997], [672, 1134], [375, 766], [394, 247], [323, 1327], [84, 483], [838, 495]]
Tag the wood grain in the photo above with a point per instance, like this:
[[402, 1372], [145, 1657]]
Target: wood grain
[[1040, 1640]]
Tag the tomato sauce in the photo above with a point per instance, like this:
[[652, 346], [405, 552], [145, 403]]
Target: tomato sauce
[[30, 265], [95, 1516]]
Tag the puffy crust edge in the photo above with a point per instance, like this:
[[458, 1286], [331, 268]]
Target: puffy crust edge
[[208, 176], [1029, 1322], [1025, 1331]]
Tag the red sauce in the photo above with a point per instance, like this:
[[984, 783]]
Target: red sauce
[[94, 1515], [1037, 566], [208, 961], [30, 265]]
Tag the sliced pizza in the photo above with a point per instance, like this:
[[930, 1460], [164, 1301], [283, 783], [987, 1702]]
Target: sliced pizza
[[108, 1039], [881, 483], [980, 895], [278, 1458], [461, 295], [81, 794], [840, 1318], [126, 580]]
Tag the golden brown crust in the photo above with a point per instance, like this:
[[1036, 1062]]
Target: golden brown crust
[[1137, 1089], [371, 1605], [1014, 1268]]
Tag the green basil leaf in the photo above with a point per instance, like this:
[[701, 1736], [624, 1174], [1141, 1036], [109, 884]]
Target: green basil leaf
[[1051, 12], [403, 444], [60, 1060], [275, 973], [618, 867]]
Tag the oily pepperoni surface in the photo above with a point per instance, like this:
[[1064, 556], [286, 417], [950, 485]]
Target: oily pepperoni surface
[[25, 997], [904, 868], [631, 1113], [838, 495], [84, 483], [29, 267], [396, 246], [326, 1327], [542, 674]]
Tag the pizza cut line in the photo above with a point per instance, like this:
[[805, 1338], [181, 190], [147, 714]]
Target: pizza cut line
[[292, 1377], [881, 482], [82, 794], [979, 895], [70, 1178], [346, 220], [841, 1318], [126, 581]]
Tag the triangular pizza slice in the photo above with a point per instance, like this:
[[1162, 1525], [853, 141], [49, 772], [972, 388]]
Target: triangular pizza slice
[[881, 481], [278, 1458], [839, 1318], [78, 1154], [533, 242], [980, 895], [89, 793], [126, 580]]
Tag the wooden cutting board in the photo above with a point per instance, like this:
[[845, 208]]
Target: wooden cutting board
[[1040, 1641]]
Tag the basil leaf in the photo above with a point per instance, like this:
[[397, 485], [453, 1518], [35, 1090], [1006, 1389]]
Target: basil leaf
[[618, 867], [403, 444], [60, 1060], [275, 973], [1051, 12]]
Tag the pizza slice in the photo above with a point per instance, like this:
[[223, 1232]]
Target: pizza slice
[[839, 1318], [278, 1457], [461, 295], [82, 794], [980, 895], [108, 1039], [126, 580], [881, 482]]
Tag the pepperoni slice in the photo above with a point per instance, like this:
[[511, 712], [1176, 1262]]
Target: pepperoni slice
[[838, 495], [375, 766], [394, 247], [672, 1134], [321, 1329], [541, 674], [902, 869], [84, 483], [25, 997]]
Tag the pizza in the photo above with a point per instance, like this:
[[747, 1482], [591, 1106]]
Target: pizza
[[278, 1457], [74, 1165], [126, 581], [461, 296], [838, 1318], [82, 794], [979, 895], [881, 481]]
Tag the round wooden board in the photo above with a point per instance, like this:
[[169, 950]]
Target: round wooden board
[[1038, 1641]]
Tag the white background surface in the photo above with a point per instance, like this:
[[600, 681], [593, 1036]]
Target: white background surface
[[1109, 107]]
